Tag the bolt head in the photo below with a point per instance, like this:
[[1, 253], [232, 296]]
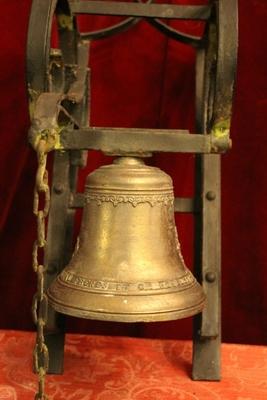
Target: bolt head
[[210, 276], [210, 195], [58, 188]]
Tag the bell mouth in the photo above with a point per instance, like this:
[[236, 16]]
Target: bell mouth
[[129, 317], [164, 305]]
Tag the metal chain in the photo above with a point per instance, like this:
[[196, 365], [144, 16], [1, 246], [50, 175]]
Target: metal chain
[[40, 301]]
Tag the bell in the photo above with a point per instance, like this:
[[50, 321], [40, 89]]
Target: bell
[[127, 265]]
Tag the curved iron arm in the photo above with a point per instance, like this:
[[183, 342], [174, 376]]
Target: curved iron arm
[[39, 40], [122, 26], [216, 70], [39, 35], [227, 46], [174, 33], [40, 28], [56, 79], [156, 22], [217, 50]]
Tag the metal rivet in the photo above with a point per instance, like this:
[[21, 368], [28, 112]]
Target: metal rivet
[[58, 188], [167, 13], [210, 276], [210, 195]]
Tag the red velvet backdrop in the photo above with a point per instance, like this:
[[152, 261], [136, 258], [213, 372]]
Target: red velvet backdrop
[[142, 79]]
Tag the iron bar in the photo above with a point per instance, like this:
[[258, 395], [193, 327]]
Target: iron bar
[[207, 326], [121, 141], [166, 11]]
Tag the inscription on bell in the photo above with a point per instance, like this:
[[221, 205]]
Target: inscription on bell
[[89, 283], [104, 285]]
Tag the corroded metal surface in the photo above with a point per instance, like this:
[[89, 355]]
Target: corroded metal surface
[[219, 57], [147, 10], [137, 141], [216, 64], [57, 88]]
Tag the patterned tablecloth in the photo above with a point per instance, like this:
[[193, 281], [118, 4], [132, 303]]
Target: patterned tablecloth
[[119, 368]]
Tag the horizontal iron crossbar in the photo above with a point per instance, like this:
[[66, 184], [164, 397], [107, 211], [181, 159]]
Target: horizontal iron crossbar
[[123, 141], [181, 204], [140, 9]]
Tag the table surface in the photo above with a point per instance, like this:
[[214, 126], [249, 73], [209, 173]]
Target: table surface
[[119, 368]]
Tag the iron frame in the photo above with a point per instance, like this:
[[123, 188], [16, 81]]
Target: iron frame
[[65, 75]]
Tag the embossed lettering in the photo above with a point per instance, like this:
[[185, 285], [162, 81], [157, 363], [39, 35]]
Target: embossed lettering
[[111, 286], [122, 286]]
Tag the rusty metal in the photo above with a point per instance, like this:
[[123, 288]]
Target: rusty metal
[[167, 11], [40, 302], [193, 12], [137, 141], [216, 65], [57, 86]]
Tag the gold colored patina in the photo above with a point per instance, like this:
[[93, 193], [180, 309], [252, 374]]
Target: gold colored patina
[[127, 265]]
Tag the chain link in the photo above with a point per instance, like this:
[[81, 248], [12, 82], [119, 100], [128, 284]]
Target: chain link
[[40, 301]]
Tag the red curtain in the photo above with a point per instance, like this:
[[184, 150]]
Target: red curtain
[[142, 79]]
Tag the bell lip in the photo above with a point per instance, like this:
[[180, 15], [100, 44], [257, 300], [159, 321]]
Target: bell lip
[[99, 315]]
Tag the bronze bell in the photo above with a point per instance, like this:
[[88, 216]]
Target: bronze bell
[[127, 265]]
